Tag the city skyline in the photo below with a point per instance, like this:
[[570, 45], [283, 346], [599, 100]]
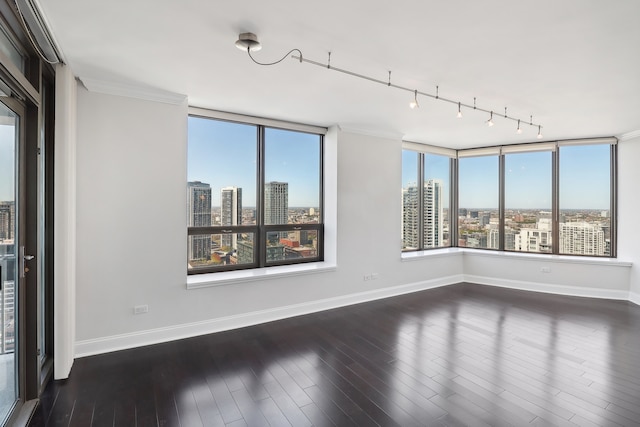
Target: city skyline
[[224, 154], [584, 178]]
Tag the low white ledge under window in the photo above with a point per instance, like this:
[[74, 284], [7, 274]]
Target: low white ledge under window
[[431, 253], [566, 259], [241, 276]]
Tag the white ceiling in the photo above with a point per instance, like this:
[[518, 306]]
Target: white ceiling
[[573, 64]]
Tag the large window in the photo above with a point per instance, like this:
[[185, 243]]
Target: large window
[[478, 213], [528, 225], [254, 195], [585, 209], [425, 199], [552, 197]]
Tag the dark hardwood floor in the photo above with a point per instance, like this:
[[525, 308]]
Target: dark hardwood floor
[[462, 355]]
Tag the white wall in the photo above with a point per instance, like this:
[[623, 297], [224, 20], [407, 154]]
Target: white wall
[[131, 233], [629, 209], [563, 275]]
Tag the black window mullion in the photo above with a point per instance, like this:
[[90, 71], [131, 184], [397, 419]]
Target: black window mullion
[[501, 200], [555, 201], [421, 215], [613, 208], [260, 246], [453, 202]]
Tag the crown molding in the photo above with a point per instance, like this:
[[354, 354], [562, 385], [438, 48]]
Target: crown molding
[[629, 135], [371, 132], [133, 91]]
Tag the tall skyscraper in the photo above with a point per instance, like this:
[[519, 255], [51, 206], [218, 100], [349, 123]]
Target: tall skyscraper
[[433, 215], [230, 213], [276, 203], [199, 215], [7, 220], [410, 217], [581, 238]]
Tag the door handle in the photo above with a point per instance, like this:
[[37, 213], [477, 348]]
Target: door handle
[[24, 258]]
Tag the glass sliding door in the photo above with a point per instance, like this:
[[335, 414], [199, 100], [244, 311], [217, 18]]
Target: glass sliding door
[[9, 266]]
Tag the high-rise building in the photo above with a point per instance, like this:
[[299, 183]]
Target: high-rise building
[[230, 214], [533, 240], [199, 215], [410, 217], [582, 238], [433, 215], [493, 239], [276, 203], [7, 220], [7, 295]]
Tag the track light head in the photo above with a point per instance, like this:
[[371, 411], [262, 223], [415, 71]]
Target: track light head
[[248, 41], [490, 121], [459, 115], [539, 133], [414, 104], [519, 130]]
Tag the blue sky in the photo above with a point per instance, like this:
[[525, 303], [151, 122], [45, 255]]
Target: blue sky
[[584, 178], [223, 154]]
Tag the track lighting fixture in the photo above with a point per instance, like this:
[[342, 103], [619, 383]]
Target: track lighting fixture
[[414, 103], [249, 43]]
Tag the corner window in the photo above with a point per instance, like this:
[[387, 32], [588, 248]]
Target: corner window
[[550, 198], [478, 195], [254, 195], [425, 200]]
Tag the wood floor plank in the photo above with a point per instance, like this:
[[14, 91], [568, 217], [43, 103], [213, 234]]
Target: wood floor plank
[[460, 355]]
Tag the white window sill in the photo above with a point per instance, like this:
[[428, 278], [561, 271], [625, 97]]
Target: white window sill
[[197, 281], [566, 259], [431, 253]]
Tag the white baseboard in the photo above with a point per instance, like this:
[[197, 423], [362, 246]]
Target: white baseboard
[[576, 291], [634, 298], [171, 333]]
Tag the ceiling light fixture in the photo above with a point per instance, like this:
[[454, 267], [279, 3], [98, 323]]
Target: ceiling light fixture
[[414, 103], [249, 43], [519, 130]]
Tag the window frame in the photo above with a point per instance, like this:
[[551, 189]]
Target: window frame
[[422, 150], [260, 229], [554, 148]]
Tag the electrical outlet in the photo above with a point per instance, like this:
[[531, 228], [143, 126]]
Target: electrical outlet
[[545, 269], [141, 309], [366, 277]]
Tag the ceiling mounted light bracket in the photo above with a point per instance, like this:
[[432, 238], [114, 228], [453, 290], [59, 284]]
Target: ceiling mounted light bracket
[[249, 43]]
